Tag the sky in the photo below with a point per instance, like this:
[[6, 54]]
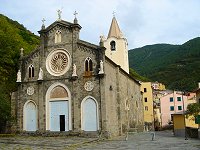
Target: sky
[[143, 22]]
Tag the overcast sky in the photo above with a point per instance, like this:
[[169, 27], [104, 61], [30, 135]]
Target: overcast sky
[[143, 22]]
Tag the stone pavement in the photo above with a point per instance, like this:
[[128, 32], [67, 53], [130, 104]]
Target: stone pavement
[[164, 140], [42, 143]]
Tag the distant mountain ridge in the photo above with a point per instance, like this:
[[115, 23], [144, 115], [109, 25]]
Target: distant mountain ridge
[[177, 66]]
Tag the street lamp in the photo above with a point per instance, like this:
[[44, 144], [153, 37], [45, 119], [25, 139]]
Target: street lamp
[[184, 117]]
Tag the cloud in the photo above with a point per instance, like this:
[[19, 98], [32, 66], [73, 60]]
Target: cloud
[[165, 21], [142, 21]]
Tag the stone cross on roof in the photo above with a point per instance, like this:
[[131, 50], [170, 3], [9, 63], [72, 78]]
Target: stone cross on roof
[[43, 20], [59, 14], [75, 13], [75, 19], [113, 13], [43, 26]]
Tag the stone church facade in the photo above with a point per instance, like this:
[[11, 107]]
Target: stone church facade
[[71, 86]]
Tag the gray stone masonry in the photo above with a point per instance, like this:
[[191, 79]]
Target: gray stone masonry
[[118, 97]]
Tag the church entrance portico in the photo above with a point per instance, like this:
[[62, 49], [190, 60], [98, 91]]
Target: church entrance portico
[[58, 110]]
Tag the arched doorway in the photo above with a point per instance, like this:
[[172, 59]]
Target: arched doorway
[[89, 114], [58, 108], [30, 116]]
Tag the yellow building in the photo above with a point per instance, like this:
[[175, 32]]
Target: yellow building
[[181, 123], [146, 88], [161, 87]]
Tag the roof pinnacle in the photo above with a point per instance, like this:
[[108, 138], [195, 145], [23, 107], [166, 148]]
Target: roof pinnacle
[[114, 29], [75, 19], [59, 14], [43, 26], [113, 13]]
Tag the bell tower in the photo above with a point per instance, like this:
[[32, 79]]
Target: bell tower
[[116, 46]]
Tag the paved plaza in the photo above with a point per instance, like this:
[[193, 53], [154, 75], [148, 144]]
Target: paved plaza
[[164, 140]]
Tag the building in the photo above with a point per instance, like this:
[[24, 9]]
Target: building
[[158, 92], [152, 92], [71, 86], [158, 86], [185, 125], [146, 88], [174, 103]]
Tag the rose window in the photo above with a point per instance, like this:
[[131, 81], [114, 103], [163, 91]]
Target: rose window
[[58, 62]]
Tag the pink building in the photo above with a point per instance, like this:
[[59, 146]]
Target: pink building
[[172, 103]]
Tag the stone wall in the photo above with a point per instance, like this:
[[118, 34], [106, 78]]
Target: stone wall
[[123, 100], [131, 101]]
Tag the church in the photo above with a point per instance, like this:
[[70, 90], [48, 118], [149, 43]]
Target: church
[[70, 86]]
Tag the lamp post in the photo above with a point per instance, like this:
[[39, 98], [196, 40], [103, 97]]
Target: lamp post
[[127, 108], [184, 117]]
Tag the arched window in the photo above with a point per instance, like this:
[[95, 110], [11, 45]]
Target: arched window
[[31, 71], [58, 36], [88, 64], [113, 45]]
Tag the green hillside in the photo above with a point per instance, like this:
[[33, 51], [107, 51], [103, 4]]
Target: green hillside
[[145, 60], [177, 66], [138, 77], [13, 36]]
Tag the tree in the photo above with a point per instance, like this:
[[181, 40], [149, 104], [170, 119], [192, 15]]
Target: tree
[[135, 75], [193, 109], [5, 115], [13, 36]]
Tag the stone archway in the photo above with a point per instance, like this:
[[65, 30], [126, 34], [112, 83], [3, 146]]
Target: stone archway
[[58, 108]]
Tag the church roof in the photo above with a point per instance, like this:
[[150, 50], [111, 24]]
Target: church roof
[[89, 45], [62, 23], [114, 29]]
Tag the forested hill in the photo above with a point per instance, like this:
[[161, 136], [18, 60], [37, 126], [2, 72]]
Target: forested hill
[[177, 66], [13, 36]]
